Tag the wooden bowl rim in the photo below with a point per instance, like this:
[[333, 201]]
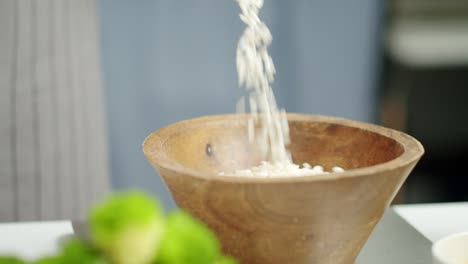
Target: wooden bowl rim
[[412, 150]]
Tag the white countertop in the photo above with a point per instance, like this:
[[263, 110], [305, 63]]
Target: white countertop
[[36, 239], [32, 240], [435, 221]]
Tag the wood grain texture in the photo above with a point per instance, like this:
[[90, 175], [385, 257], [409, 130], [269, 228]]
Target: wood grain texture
[[313, 219], [53, 155]]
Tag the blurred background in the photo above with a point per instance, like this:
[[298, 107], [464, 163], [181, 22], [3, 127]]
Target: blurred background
[[165, 61], [399, 63]]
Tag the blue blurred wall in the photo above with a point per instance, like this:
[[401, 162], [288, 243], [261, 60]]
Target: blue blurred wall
[[167, 60]]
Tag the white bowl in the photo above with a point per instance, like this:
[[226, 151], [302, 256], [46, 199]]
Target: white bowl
[[451, 249]]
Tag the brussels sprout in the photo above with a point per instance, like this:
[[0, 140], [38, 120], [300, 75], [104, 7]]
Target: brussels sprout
[[187, 240], [127, 227]]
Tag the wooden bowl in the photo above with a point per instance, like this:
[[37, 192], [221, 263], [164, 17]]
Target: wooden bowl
[[313, 219]]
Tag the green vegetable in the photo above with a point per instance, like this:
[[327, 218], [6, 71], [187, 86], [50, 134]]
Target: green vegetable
[[77, 252], [127, 228], [226, 260], [11, 260], [48, 260], [186, 241], [74, 252]]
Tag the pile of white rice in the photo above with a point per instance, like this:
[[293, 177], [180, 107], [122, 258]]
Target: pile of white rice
[[267, 125], [266, 170]]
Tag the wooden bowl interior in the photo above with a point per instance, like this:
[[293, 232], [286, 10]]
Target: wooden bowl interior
[[222, 145]]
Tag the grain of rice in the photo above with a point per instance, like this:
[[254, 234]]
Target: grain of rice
[[337, 169]]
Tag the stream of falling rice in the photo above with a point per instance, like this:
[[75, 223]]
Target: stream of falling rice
[[267, 126]]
